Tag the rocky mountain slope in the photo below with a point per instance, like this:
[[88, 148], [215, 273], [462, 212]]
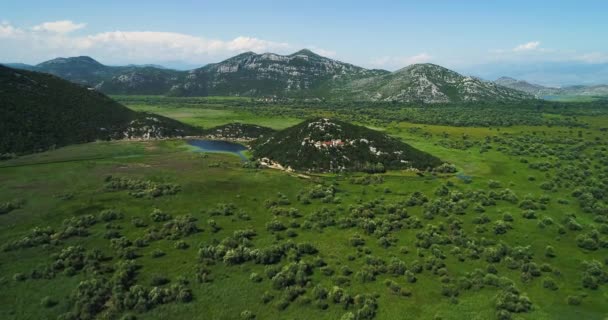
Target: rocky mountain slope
[[524, 86], [39, 111], [132, 79], [332, 145], [542, 91], [302, 74], [429, 83]]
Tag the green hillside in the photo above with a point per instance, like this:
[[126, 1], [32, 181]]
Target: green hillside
[[333, 145], [40, 111], [431, 84]]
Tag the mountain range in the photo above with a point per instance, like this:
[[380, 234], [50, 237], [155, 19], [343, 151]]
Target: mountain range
[[303, 74], [542, 91]]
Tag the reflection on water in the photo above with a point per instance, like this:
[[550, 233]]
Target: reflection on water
[[219, 146]]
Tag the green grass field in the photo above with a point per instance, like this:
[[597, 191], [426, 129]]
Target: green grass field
[[451, 247]]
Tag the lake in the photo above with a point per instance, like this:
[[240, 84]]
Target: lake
[[219, 146]]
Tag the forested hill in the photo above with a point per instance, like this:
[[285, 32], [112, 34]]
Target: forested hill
[[39, 111], [332, 145]]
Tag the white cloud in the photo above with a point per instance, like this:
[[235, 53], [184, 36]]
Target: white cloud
[[530, 46], [593, 57], [52, 39], [8, 31], [400, 62], [149, 45], [62, 26]]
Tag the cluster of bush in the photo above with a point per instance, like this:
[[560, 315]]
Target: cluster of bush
[[141, 188], [9, 206], [367, 180], [72, 227], [37, 237], [510, 301], [325, 193], [114, 293], [223, 209], [591, 240], [69, 261], [594, 274], [173, 228], [280, 200], [239, 248], [445, 168]]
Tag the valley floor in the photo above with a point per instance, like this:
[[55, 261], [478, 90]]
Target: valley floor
[[518, 214]]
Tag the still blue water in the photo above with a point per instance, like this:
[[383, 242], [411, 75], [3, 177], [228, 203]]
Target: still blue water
[[219, 146]]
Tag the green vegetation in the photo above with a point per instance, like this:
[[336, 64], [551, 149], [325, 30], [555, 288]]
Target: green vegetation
[[238, 131], [41, 112], [331, 145], [514, 228]]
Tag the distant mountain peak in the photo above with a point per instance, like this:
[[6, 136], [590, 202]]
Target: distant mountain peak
[[79, 59], [505, 78], [305, 52], [424, 67]]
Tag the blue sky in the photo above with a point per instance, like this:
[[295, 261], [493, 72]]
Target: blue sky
[[469, 36]]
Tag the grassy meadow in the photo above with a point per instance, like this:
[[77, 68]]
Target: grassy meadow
[[401, 245]]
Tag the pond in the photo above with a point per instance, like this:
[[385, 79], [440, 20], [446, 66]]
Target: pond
[[219, 146]]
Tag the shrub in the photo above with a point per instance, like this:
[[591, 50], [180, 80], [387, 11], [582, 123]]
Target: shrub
[[445, 168], [138, 223], [573, 300], [275, 225], [529, 214], [255, 277], [159, 216], [356, 241], [500, 227], [157, 253], [291, 233], [7, 207], [19, 277], [247, 315], [550, 284], [586, 241], [267, 297], [109, 215], [182, 245], [593, 274], [511, 301], [493, 184], [549, 252], [213, 226], [179, 227]]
